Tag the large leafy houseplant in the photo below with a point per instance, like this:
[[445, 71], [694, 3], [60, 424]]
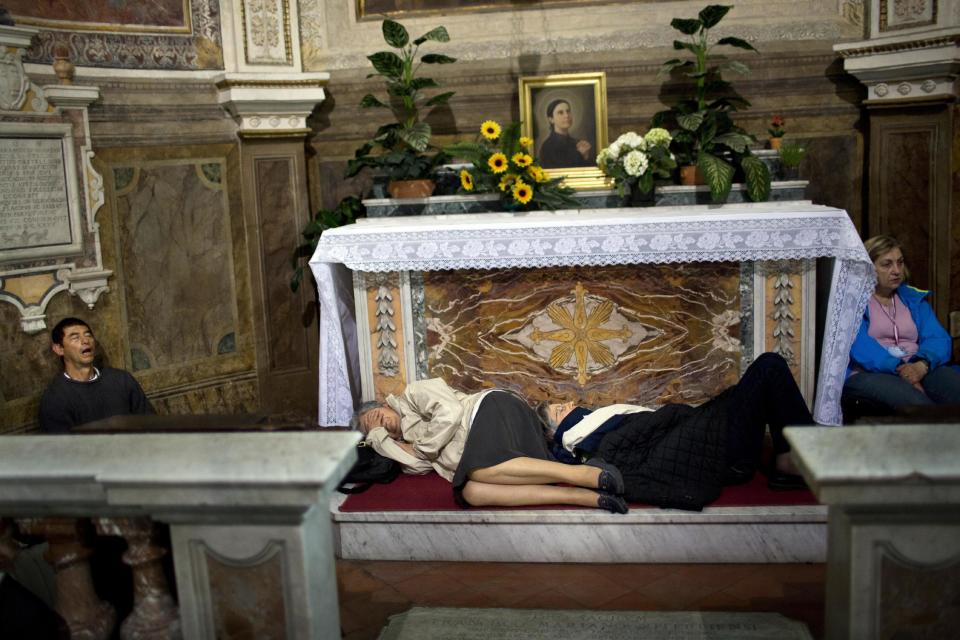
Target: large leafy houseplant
[[403, 144], [701, 124], [503, 163], [346, 212]]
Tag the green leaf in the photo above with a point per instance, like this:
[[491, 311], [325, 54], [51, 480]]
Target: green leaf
[[385, 131], [712, 14], [439, 34], [736, 42], [739, 142], [395, 34], [441, 98], [417, 136], [387, 63], [718, 173], [689, 46], [423, 83], [736, 66], [686, 26], [437, 58], [758, 178], [690, 121], [370, 100]]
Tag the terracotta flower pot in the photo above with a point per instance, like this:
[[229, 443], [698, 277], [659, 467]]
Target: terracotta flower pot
[[775, 143], [411, 188], [690, 175]]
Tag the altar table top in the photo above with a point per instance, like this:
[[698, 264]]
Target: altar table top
[[596, 237]]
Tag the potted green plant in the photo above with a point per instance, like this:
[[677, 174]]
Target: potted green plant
[[346, 212], [791, 155], [703, 130], [777, 130], [403, 144]]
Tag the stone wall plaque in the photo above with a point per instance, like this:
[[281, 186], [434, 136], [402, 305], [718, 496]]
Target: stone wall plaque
[[39, 203]]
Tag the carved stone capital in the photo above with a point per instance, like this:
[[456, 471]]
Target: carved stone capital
[[272, 105]]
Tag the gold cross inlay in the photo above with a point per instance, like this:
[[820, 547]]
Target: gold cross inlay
[[581, 335]]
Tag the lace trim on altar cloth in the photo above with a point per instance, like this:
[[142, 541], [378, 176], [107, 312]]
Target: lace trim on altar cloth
[[489, 241]]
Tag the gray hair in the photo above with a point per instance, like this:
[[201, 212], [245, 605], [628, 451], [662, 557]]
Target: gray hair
[[364, 409], [548, 425]]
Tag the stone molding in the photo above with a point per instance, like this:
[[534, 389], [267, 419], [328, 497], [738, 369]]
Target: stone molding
[[271, 105]]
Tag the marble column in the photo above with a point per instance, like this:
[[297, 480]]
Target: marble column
[[155, 615], [88, 617], [910, 65], [271, 112]]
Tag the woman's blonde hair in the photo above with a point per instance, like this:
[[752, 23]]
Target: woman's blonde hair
[[879, 245]]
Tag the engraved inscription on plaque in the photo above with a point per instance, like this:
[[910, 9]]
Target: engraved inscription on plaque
[[34, 205]]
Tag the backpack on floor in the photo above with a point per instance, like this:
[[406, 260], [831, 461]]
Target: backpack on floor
[[371, 468]]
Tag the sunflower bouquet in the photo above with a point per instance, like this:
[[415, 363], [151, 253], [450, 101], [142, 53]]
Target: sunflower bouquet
[[503, 163], [634, 161]]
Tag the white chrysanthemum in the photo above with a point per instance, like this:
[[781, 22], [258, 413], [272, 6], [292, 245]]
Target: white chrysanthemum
[[658, 136], [635, 163]]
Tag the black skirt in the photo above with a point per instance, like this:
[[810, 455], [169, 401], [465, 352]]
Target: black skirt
[[504, 428]]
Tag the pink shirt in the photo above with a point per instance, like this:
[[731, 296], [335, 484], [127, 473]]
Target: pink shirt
[[893, 326]]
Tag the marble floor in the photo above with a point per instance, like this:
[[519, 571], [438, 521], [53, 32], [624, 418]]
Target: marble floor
[[371, 590]]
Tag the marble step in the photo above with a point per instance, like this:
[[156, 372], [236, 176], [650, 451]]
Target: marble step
[[768, 534]]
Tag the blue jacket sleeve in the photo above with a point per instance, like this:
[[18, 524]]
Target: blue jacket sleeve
[[935, 345], [869, 354]]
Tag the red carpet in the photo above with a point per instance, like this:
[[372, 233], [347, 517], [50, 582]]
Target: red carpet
[[433, 493]]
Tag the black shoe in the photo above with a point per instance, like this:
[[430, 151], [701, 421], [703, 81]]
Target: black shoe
[[779, 481], [611, 480], [738, 473], [611, 503]]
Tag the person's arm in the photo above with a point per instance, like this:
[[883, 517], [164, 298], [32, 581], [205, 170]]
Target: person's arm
[[934, 341], [402, 452], [869, 354], [439, 415]]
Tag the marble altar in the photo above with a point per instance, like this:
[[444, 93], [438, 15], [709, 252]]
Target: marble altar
[[585, 239], [247, 512], [893, 532]]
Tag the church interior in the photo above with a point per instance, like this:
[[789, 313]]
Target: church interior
[[194, 141]]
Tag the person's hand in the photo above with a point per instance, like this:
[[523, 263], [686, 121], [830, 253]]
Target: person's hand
[[584, 148], [913, 372]]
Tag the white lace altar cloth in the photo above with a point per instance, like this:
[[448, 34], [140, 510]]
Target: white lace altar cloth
[[595, 237]]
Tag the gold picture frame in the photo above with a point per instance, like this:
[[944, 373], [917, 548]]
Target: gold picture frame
[[571, 153]]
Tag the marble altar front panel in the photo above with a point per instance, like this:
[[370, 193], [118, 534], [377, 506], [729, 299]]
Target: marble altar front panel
[[643, 333]]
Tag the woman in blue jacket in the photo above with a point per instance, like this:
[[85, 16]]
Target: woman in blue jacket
[[901, 353]]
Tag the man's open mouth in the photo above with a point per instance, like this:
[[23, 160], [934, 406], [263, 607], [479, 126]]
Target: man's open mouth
[[87, 351]]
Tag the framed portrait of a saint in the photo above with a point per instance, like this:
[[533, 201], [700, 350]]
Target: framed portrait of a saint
[[566, 115]]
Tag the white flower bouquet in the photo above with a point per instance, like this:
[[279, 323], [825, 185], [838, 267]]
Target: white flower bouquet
[[634, 161]]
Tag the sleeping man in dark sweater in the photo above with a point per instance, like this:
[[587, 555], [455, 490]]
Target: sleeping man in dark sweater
[[83, 393]]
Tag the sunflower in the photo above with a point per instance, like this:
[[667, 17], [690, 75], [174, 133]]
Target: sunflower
[[522, 192], [506, 181], [538, 174], [466, 180], [522, 160], [497, 162], [526, 142], [490, 130]]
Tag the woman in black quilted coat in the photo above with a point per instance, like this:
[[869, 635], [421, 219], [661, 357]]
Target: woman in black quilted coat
[[681, 456]]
